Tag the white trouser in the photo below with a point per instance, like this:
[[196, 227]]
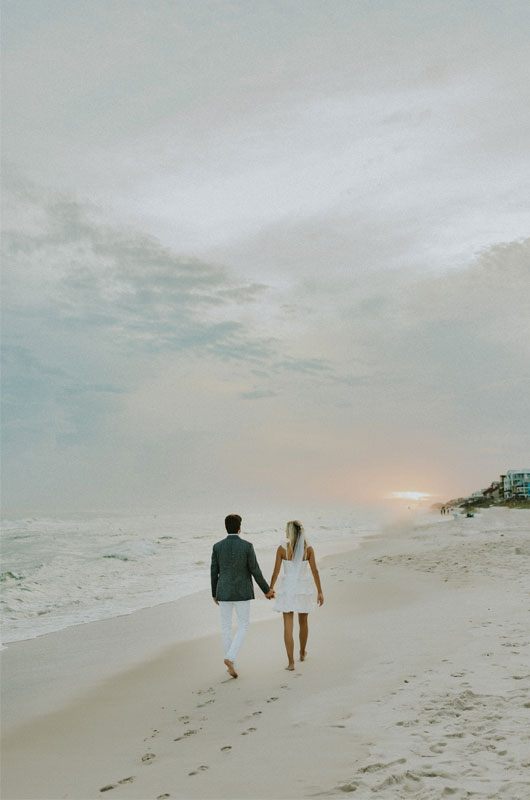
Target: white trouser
[[231, 645]]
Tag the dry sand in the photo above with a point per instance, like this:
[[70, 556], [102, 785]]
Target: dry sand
[[417, 685]]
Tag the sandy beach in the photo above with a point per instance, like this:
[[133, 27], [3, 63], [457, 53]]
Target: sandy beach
[[417, 684]]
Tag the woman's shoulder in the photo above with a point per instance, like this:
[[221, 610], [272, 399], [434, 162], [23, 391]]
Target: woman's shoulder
[[282, 550]]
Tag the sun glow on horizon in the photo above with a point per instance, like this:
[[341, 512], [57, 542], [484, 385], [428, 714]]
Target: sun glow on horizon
[[414, 496]]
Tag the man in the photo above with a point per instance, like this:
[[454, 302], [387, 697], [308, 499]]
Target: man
[[233, 566]]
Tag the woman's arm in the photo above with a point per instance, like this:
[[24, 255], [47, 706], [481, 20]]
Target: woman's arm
[[313, 564], [277, 566]]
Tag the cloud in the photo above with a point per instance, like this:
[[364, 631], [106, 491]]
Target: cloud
[[133, 370], [201, 127], [434, 390], [258, 394], [48, 403], [90, 275], [320, 210], [93, 312], [308, 366], [115, 347]]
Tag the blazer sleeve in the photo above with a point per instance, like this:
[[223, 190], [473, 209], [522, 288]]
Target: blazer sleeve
[[214, 571], [255, 570]]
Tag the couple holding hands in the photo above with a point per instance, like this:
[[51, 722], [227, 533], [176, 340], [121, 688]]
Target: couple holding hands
[[233, 566]]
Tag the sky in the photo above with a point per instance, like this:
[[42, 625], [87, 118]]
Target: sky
[[260, 252]]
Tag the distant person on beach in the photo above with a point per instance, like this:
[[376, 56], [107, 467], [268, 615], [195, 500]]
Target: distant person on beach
[[233, 566], [295, 595]]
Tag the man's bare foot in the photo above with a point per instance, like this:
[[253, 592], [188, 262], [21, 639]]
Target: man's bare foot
[[303, 655], [290, 667], [231, 669]]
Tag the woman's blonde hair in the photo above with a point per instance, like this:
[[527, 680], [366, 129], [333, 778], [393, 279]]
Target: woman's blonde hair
[[294, 529]]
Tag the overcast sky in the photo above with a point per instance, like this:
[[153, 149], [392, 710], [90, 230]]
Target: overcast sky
[[259, 252]]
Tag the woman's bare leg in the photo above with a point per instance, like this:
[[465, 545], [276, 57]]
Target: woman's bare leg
[[288, 620], [304, 633]]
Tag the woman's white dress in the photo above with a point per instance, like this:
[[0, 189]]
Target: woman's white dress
[[296, 591]]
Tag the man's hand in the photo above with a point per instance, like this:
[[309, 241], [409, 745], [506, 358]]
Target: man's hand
[[270, 594], [216, 601]]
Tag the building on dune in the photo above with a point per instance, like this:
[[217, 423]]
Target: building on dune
[[516, 483], [495, 492]]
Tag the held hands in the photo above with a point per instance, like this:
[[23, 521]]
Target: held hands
[[270, 594], [320, 599]]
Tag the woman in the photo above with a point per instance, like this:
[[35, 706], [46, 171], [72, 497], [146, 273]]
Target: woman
[[295, 592]]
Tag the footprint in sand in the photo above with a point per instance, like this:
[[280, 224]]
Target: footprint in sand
[[348, 787], [206, 703], [148, 757], [438, 747], [163, 796], [185, 735], [248, 730], [226, 748], [184, 719], [272, 699], [378, 766], [199, 769], [114, 785]]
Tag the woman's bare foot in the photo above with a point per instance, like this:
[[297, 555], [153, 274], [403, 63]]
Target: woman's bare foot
[[290, 667], [303, 655], [231, 669]]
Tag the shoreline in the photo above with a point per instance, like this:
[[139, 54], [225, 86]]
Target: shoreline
[[264, 553], [81, 656], [419, 624]]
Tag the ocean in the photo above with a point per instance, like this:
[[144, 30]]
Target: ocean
[[68, 570]]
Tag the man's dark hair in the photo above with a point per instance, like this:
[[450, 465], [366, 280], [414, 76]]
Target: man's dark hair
[[232, 523]]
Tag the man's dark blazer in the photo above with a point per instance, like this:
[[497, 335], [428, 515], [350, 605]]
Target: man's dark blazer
[[233, 565]]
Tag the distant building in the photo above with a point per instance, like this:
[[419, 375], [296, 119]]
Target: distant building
[[495, 492], [517, 483]]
